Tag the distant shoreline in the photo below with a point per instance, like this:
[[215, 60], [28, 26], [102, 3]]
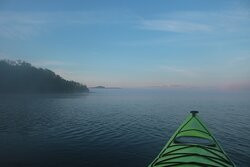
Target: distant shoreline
[[20, 77], [103, 87]]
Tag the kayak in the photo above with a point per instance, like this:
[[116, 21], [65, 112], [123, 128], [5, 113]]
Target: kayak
[[192, 145]]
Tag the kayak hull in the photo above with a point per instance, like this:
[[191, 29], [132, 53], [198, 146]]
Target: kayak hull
[[192, 145]]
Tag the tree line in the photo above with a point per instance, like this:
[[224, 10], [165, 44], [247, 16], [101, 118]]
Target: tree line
[[21, 77]]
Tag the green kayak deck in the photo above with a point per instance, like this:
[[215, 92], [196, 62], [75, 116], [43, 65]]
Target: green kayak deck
[[192, 145]]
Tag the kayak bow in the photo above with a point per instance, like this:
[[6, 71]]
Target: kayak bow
[[192, 145]]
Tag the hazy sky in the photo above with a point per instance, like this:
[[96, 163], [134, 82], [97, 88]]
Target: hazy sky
[[197, 43]]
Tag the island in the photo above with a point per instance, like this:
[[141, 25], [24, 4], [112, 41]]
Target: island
[[103, 87], [21, 77], [99, 87]]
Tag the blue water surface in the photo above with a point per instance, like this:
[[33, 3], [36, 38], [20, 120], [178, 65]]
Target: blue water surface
[[115, 127]]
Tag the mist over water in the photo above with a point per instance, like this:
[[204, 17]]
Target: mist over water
[[114, 127]]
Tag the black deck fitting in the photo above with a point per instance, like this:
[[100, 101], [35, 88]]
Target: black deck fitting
[[194, 113]]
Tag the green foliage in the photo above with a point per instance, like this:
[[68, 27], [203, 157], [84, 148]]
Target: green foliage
[[22, 77]]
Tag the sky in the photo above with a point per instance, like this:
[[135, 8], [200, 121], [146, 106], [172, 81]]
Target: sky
[[116, 43]]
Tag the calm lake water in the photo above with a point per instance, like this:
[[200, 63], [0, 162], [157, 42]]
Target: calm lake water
[[114, 127]]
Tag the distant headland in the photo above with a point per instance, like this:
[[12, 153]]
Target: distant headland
[[103, 87], [21, 77]]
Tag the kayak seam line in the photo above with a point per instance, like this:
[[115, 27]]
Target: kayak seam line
[[190, 163], [188, 146], [194, 145], [205, 148], [225, 160], [193, 154], [196, 130], [200, 155]]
